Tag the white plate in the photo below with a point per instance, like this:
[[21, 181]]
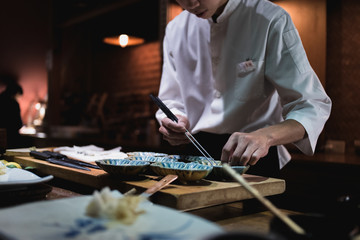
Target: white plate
[[66, 219], [19, 177]]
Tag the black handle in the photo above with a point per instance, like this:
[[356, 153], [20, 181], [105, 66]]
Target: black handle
[[164, 108], [58, 158], [40, 155]]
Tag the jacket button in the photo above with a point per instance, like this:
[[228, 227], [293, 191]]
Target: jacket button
[[217, 94]]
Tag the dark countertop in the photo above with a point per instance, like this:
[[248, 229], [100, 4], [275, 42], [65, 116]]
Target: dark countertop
[[323, 157]]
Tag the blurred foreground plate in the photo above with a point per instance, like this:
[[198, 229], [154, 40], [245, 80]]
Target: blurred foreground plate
[[16, 177], [66, 219]]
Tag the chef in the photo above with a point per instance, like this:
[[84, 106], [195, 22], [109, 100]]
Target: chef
[[236, 75]]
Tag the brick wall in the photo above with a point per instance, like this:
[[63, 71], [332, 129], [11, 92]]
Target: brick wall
[[121, 70]]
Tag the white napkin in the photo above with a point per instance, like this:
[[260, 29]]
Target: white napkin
[[91, 153]]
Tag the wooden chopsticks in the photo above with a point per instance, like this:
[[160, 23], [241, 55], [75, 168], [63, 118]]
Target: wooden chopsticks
[[290, 223]]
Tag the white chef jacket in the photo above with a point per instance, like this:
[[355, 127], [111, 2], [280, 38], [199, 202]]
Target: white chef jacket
[[246, 71]]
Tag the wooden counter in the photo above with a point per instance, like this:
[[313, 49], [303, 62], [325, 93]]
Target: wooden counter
[[180, 196]]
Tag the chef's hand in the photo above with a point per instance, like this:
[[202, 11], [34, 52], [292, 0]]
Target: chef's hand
[[245, 149], [174, 132], [248, 148]]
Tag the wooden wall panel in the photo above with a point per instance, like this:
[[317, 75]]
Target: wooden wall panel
[[343, 71], [309, 17]]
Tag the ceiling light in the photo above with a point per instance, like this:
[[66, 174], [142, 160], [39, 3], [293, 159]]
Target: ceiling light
[[124, 40]]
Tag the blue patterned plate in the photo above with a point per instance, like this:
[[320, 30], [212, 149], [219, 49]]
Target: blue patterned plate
[[152, 159], [185, 171], [141, 154], [218, 173], [123, 167]]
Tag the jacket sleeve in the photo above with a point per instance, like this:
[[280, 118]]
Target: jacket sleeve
[[169, 91], [303, 98]]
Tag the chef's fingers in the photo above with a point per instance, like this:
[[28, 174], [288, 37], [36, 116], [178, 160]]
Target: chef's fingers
[[174, 138], [250, 156], [240, 155], [247, 157], [182, 120], [170, 134], [229, 149], [255, 157], [174, 126], [257, 154]]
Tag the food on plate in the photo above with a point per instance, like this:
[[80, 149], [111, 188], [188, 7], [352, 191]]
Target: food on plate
[[123, 209], [2, 169], [3, 162], [13, 165]]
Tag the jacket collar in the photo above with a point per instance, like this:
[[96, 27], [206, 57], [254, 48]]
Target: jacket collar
[[230, 7]]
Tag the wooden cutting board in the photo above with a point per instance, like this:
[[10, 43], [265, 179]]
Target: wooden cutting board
[[177, 195]]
